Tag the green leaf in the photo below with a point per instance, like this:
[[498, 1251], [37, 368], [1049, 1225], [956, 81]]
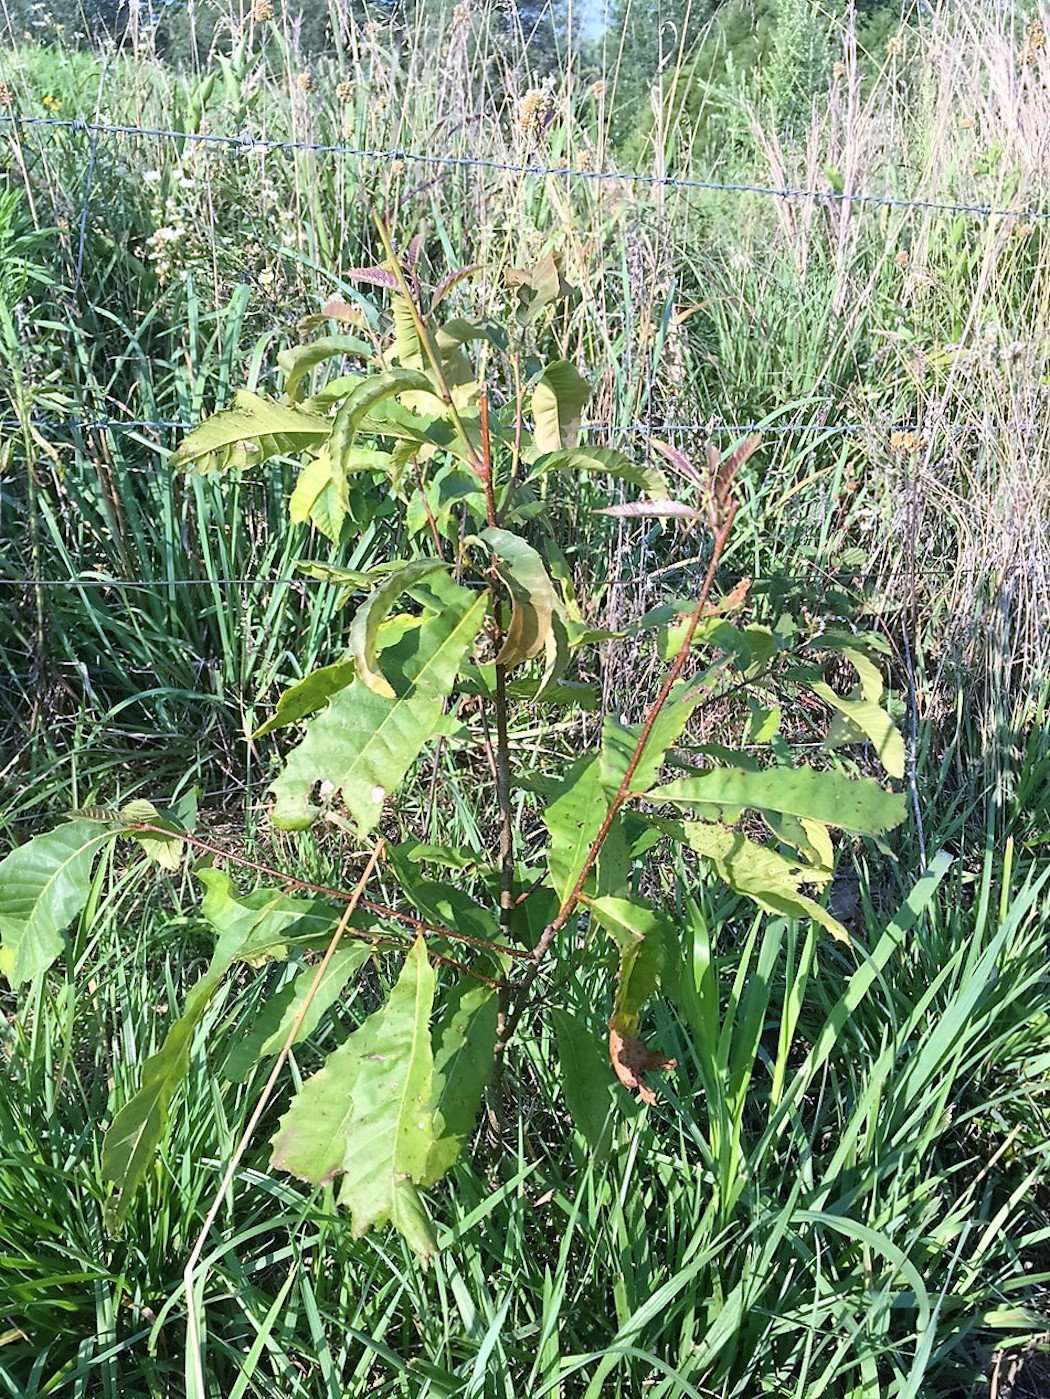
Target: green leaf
[[367, 1113], [868, 719], [587, 1081], [297, 362], [763, 875], [619, 742], [609, 463], [322, 496], [247, 434], [44, 884], [642, 935], [365, 397], [259, 926], [851, 804], [558, 401], [364, 630], [464, 1045], [267, 1035], [166, 849], [522, 572], [251, 929], [308, 695], [573, 818], [362, 745]]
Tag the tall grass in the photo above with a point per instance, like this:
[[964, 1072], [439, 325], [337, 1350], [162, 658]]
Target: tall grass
[[843, 1191]]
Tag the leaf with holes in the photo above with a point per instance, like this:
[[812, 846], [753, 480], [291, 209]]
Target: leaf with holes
[[361, 745], [247, 434], [851, 804]]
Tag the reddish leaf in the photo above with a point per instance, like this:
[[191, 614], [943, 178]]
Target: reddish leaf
[[453, 279], [373, 276], [337, 308], [630, 1059], [679, 461]]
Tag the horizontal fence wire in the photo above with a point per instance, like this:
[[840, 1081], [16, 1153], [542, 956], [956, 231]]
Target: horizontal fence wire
[[248, 144], [852, 577]]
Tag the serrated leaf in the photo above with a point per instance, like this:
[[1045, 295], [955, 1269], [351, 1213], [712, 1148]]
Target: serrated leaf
[[587, 1081], [558, 401], [267, 1034], [573, 818], [297, 362], [364, 629], [259, 926], [247, 434], [851, 804], [523, 574], [360, 746], [367, 1112], [609, 463], [44, 884], [308, 695], [464, 1046], [762, 874]]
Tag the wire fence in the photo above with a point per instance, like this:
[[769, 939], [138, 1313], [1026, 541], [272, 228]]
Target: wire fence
[[247, 144]]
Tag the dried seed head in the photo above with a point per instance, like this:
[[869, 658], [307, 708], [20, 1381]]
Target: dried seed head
[[895, 46], [905, 443], [535, 111], [902, 258], [344, 91], [304, 82], [262, 11], [7, 95]]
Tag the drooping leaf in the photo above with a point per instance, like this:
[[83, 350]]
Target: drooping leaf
[[586, 1081], [44, 884], [642, 936], [556, 657], [851, 804], [558, 401], [308, 695], [573, 817], [364, 630], [631, 1059], [537, 287], [607, 462], [762, 874], [297, 361], [366, 397], [247, 434], [522, 572], [464, 1043], [267, 1034], [367, 1112], [361, 745]]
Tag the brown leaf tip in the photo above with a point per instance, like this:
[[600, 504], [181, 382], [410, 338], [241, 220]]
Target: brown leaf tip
[[630, 1059]]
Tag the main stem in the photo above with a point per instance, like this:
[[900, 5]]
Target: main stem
[[623, 792]]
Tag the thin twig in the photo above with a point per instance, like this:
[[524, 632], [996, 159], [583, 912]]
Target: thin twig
[[418, 925], [623, 792]]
